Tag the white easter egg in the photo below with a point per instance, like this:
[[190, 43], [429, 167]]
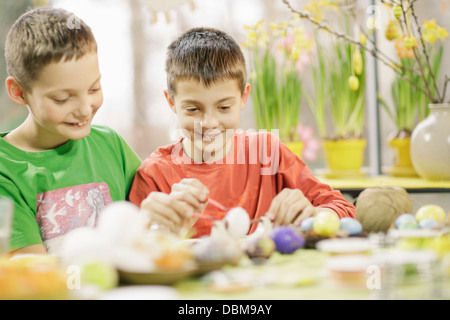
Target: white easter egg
[[238, 222], [122, 223], [85, 244]]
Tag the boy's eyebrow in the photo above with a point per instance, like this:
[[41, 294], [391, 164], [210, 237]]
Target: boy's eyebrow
[[70, 90], [192, 101], [98, 79]]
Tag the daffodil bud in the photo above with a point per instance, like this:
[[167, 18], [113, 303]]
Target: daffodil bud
[[362, 39], [353, 83], [357, 62]]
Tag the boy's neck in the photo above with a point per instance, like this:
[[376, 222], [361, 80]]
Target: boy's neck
[[27, 137], [199, 156]]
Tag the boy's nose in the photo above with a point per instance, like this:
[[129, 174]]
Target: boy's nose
[[84, 109], [209, 122]]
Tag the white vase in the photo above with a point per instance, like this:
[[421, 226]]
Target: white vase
[[430, 144]]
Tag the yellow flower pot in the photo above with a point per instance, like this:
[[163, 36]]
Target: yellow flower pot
[[296, 147], [344, 154], [402, 165], [402, 156]]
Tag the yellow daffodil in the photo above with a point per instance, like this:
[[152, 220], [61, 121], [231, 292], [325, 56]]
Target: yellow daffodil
[[442, 34], [432, 32], [314, 10]]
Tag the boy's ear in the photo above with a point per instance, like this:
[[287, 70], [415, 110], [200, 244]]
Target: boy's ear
[[170, 101], [15, 91], [245, 96]]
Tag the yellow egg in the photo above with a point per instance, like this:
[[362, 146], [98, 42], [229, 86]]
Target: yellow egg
[[431, 211], [326, 224], [410, 42], [397, 11]]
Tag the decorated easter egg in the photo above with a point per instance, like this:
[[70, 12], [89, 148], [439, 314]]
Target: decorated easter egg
[[307, 224], [261, 249], [238, 222], [326, 224], [287, 240], [397, 11], [352, 226], [431, 211], [405, 217]]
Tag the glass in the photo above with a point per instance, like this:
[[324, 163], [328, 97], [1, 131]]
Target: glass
[[6, 212]]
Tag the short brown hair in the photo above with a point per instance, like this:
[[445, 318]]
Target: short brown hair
[[206, 55], [42, 36]]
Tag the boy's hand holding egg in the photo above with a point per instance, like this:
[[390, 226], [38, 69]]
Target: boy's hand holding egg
[[165, 211], [174, 211]]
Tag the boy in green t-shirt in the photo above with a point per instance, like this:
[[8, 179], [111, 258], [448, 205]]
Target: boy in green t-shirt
[[58, 169]]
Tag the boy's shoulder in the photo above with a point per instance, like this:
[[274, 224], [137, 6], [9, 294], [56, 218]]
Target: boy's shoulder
[[103, 132], [163, 154], [101, 129]]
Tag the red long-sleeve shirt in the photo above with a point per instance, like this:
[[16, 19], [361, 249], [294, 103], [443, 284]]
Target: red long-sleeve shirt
[[257, 168]]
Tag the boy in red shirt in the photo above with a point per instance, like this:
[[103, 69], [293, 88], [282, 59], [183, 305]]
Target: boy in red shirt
[[207, 89]]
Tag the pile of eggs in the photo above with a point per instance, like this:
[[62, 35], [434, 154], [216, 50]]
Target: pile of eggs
[[327, 224], [427, 216], [288, 239]]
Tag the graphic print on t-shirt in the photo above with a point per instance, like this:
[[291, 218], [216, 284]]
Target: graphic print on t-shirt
[[59, 211]]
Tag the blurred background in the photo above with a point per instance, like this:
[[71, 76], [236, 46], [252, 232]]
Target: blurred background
[[133, 35]]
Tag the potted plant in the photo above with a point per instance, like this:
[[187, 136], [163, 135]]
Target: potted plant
[[275, 59], [408, 103], [429, 156], [339, 88]]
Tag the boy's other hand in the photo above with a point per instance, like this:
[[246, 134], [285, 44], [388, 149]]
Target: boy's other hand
[[290, 206]]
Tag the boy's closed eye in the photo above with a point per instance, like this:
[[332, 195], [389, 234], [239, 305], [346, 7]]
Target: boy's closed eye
[[61, 100], [94, 90], [191, 109]]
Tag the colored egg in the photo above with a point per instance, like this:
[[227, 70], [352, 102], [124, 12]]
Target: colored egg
[[307, 224], [287, 240], [431, 211], [427, 223], [404, 217], [352, 226], [326, 224], [261, 249]]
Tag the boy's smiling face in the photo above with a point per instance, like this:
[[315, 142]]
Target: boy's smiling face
[[205, 114], [64, 100]]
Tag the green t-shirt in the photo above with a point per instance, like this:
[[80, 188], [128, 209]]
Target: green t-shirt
[[57, 190]]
